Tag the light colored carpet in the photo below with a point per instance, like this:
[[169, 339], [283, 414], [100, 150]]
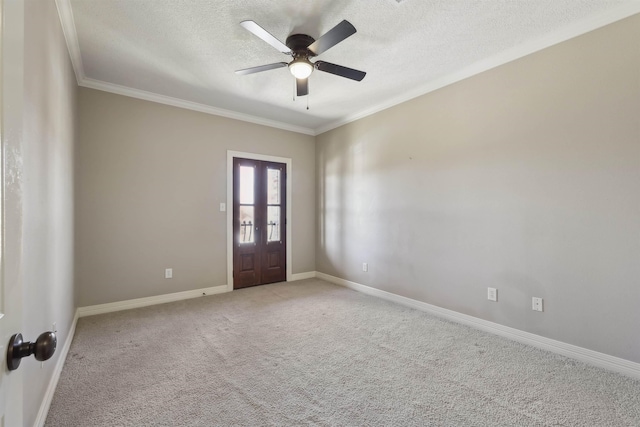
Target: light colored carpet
[[311, 353]]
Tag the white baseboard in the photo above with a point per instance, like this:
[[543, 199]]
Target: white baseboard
[[302, 276], [147, 301], [623, 366], [108, 308], [591, 357], [53, 382], [161, 299]]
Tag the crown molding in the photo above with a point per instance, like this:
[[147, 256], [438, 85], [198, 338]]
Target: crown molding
[[189, 105], [69, 29], [509, 55], [65, 13], [71, 37]]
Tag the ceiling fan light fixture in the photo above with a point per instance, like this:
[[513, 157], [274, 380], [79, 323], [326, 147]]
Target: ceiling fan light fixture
[[301, 68]]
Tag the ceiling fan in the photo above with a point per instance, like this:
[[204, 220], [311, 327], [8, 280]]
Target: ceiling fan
[[303, 47]]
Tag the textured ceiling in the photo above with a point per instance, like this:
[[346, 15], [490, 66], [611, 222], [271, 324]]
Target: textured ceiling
[[186, 51]]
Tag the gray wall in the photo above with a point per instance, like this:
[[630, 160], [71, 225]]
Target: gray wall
[[524, 178], [150, 179], [48, 144]]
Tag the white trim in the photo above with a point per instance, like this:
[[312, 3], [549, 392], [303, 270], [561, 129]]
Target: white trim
[[65, 12], [147, 301], [108, 308], [53, 382], [509, 55], [189, 105], [623, 366], [595, 358], [230, 155], [69, 29], [302, 276]]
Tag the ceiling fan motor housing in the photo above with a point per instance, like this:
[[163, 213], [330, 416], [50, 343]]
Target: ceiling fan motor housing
[[299, 43]]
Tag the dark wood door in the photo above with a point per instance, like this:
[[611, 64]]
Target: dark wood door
[[259, 231]]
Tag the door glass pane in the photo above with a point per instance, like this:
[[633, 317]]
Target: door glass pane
[[246, 185], [273, 186], [247, 224], [273, 223]]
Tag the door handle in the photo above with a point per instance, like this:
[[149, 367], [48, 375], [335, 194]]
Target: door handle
[[43, 348]]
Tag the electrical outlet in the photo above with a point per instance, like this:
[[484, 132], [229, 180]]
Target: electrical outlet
[[492, 294], [365, 266], [168, 273], [536, 304]]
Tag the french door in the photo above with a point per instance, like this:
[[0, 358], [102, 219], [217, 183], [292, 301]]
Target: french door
[[259, 231]]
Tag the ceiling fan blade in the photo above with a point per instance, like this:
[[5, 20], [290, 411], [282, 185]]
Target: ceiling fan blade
[[261, 68], [260, 32], [302, 87], [332, 37], [339, 70]]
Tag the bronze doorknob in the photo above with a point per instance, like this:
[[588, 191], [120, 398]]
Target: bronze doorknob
[[43, 348]]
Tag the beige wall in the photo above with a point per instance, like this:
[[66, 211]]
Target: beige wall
[[48, 144], [525, 178], [150, 179]]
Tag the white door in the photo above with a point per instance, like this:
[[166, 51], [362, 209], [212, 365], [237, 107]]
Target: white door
[[11, 90]]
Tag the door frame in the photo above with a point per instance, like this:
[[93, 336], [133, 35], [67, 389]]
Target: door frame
[[253, 156]]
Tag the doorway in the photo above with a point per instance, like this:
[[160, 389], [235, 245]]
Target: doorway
[[259, 222]]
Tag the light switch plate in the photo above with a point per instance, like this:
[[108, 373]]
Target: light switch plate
[[492, 294]]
